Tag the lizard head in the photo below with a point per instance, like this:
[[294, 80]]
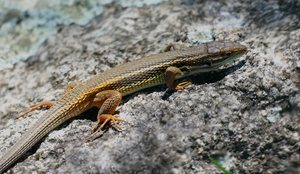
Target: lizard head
[[224, 51], [218, 53]]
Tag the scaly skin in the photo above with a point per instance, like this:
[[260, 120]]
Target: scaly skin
[[125, 79]]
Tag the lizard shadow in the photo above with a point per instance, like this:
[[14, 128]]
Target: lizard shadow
[[198, 79]]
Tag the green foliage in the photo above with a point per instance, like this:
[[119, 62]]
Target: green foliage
[[219, 166]]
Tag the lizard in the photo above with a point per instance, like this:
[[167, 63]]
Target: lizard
[[105, 90]]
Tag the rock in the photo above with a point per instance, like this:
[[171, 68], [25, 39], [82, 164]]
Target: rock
[[251, 114]]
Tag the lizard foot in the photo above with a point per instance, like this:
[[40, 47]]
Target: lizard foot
[[183, 85], [104, 120], [41, 105]]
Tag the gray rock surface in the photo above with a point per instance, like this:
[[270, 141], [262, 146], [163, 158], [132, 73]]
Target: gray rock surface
[[248, 120]]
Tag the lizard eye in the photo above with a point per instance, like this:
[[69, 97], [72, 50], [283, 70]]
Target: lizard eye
[[228, 54], [208, 62], [185, 68]]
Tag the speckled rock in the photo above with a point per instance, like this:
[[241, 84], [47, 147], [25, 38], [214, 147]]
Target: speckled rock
[[248, 119]]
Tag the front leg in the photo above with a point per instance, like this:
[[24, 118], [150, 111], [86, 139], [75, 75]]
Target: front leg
[[171, 74], [107, 101]]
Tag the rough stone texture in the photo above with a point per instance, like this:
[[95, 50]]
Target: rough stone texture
[[26, 24], [248, 120]]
